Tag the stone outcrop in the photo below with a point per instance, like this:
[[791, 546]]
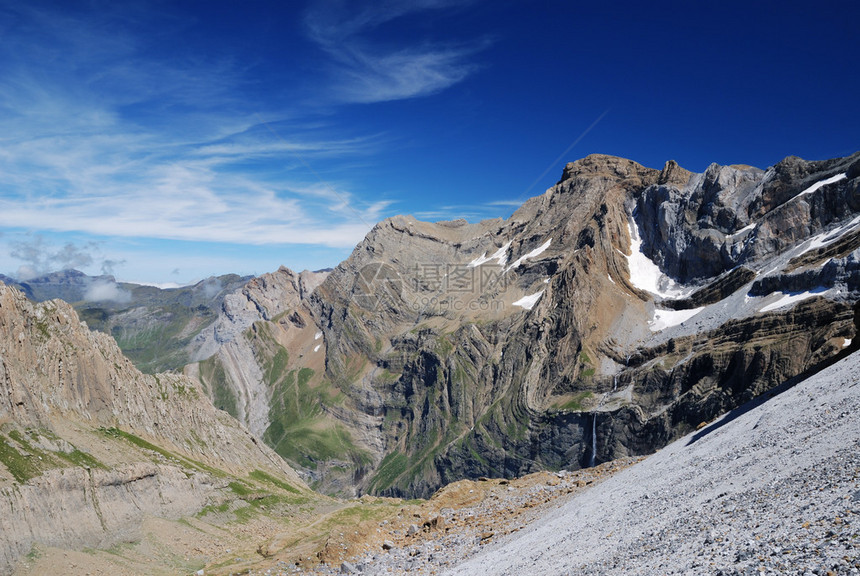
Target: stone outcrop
[[730, 216], [78, 508]]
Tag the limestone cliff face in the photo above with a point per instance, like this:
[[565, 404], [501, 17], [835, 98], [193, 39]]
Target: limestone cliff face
[[89, 446], [234, 373], [730, 216], [606, 317], [78, 508]]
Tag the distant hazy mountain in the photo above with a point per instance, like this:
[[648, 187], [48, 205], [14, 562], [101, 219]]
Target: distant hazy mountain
[[154, 327]]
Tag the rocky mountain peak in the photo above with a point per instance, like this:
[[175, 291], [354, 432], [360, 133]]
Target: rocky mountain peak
[[672, 173], [789, 177], [595, 164], [273, 293]]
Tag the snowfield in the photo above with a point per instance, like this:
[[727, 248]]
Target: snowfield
[[825, 238], [792, 298], [533, 254], [824, 182], [644, 273], [500, 256]]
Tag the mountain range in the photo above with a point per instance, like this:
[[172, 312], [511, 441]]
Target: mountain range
[[91, 447], [618, 311], [623, 309]]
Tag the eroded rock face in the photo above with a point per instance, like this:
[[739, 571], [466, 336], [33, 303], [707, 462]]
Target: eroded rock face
[[741, 216], [77, 508], [649, 300], [230, 348], [52, 364]]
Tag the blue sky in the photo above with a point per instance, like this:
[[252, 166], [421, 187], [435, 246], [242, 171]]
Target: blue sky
[[164, 142]]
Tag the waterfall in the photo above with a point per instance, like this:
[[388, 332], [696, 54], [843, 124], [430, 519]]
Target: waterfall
[[593, 439]]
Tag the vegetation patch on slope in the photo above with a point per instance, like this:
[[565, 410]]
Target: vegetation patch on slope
[[300, 430], [187, 463], [212, 374], [24, 454], [19, 465], [574, 404]]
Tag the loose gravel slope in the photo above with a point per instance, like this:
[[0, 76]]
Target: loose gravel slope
[[771, 488]]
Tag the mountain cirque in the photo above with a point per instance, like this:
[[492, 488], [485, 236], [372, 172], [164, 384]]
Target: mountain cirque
[[612, 314]]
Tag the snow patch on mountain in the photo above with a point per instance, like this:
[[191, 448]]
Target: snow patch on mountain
[[644, 273], [824, 182], [743, 230], [665, 318], [792, 298], [528, 302], [825, 238], [533, 254], [500, 256]]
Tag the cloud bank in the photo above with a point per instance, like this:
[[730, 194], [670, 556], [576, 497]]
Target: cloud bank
[[41, 257], [105, 291]]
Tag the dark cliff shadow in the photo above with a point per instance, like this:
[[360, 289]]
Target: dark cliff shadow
[[787, 385]]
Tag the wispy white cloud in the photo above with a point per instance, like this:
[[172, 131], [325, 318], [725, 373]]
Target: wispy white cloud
[[101, 134], [366, 71], [514, 203], [84, 186], [470, 212], [96, 137], [404, 74], [185, 203]]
